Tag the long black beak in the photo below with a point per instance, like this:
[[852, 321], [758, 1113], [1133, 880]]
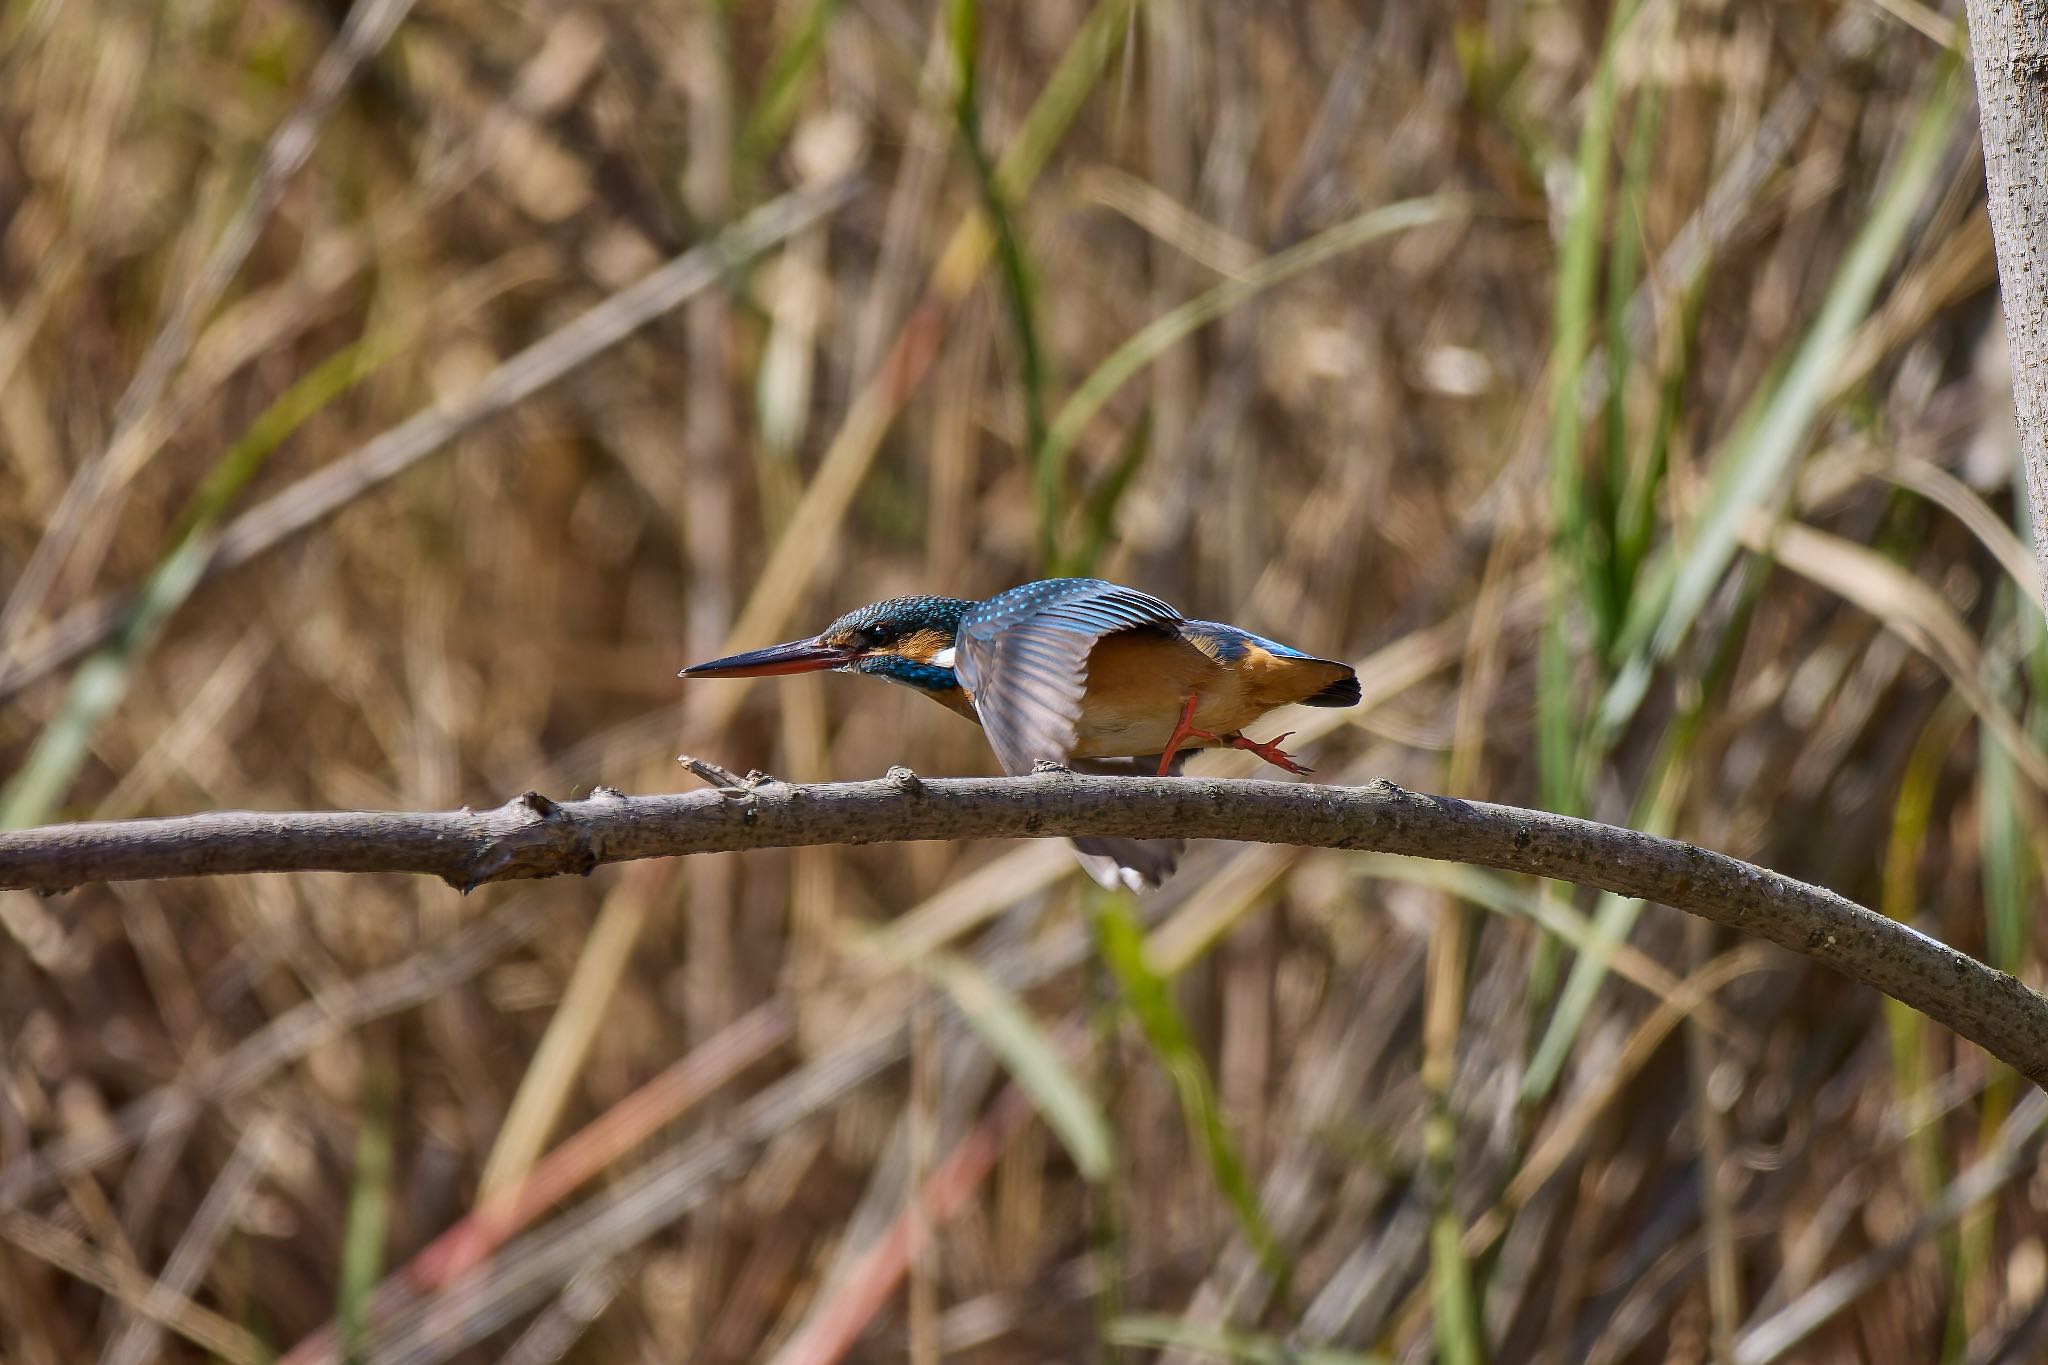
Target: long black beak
[[798, 656]]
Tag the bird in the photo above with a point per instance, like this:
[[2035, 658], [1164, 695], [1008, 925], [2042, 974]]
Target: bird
[[1079, 672]]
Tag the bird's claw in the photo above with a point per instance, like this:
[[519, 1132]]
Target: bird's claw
[[1269, 749]]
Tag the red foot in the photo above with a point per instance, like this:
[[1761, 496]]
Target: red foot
[[1183, 728], [1269, 749]]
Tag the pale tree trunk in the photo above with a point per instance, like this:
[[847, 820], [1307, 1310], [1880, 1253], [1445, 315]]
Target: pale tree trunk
[[2009, 42]]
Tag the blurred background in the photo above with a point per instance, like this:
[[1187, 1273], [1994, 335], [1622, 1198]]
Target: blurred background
[[1620, 386]]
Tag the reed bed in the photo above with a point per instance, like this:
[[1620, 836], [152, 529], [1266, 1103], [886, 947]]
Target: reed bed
[[1621, 386]]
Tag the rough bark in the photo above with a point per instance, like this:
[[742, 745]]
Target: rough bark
[[532, 836], [2009, 44]]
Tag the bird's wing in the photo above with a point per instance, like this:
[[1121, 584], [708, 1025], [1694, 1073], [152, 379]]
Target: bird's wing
[[1023, 656]]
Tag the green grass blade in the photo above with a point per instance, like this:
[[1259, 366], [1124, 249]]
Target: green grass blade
[[1573, 309], [783, 88], [1034, 1060], [1149, 997], [33, 793], [1636, 516], [1497, 893], [1455, 1306], [1614, 917], [1572, 575], [2007, 856], [1632, 467], [1156, 337], [1019, 282], [2008, 853], [1066, 90], [369, 1216], [2007, 870], [2006, 865], [1558, 740], [1756, 464], [1098, 511], [1655, 812], [1912, 817]]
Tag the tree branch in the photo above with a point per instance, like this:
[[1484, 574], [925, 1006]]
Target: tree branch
[[2009, 44], [531, 836]]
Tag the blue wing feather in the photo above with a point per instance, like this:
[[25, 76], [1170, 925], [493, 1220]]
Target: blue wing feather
[[1023, 656], [1227, 644]]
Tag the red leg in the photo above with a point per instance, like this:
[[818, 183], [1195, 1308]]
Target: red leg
[[1269, 749], [1183, 728]]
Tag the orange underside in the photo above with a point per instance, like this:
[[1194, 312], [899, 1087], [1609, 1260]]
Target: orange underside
[[1139, 680]]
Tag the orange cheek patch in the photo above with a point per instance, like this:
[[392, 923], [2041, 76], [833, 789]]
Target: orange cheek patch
[[921, 645]]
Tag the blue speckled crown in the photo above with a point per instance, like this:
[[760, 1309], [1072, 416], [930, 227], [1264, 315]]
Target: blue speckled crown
[[906, 615]]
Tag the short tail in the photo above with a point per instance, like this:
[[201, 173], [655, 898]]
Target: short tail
[[1343, 692], [1135, 864]]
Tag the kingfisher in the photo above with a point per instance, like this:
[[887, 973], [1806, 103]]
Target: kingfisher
[[1080, 672]]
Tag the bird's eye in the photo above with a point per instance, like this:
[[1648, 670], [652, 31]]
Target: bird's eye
[[873, 637]]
